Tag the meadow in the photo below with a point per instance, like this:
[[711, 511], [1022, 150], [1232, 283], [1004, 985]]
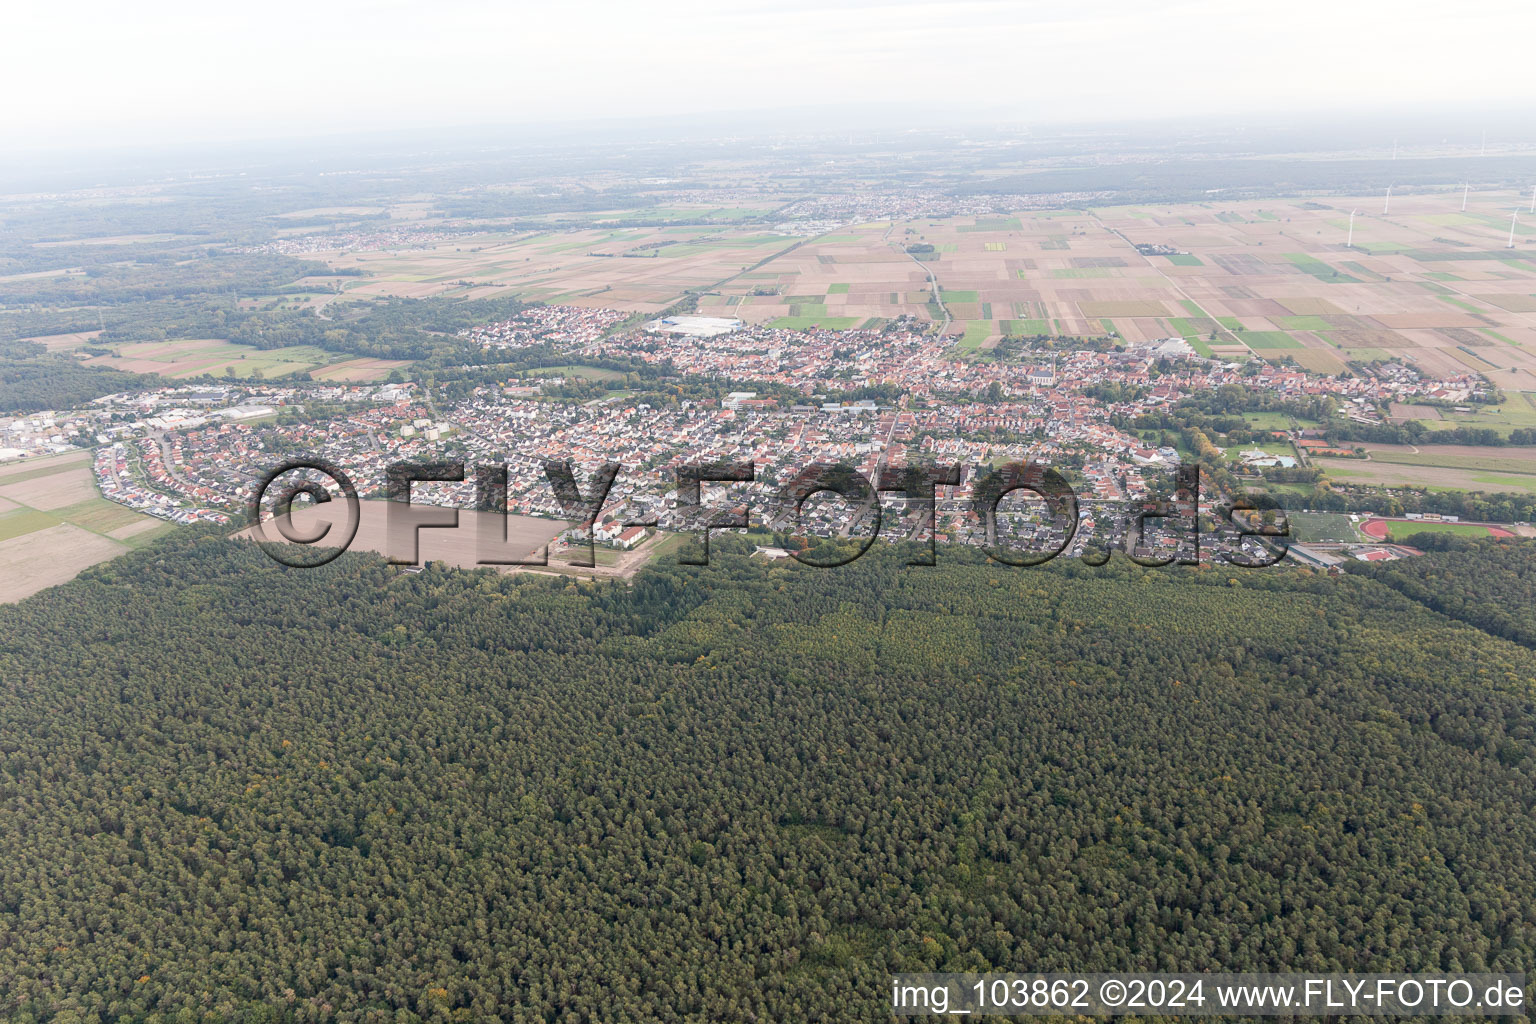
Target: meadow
[[193, 357]]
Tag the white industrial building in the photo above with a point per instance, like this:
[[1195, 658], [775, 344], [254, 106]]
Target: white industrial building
[[694, 326]]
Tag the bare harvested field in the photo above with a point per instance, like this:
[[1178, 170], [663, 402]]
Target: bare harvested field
[[144, 525], [24, 569], [64, 342], [43, 466], [56, 490], [359, 369], [391, 536], [1402, 411]]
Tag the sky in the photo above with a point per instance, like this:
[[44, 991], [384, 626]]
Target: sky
[[92, 73]]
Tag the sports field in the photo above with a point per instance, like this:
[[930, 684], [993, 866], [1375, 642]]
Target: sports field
[[1400, 529], [1324, 527]]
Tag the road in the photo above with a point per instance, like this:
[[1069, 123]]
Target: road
[[933, 284], [874, 501], [1171, 282], [165, 458]]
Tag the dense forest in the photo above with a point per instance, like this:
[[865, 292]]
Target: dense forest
[[1488, 583], [419, 329], [161, 276], [738, 792], [57, 382]]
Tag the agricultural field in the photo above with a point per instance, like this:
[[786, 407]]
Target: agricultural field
[[641, 269], [192, 357], [1434, 478], [1427, 283], [358, 371], [54, 523], [1455, 456]]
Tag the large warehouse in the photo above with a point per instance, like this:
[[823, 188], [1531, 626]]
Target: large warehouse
[[694, 326]]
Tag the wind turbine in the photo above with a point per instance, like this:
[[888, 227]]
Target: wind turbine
[[1388, 204], [1351, 243], [1533, 200], [1512, 222], [1464, 190]]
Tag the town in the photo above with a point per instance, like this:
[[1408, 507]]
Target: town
[[868, 399]]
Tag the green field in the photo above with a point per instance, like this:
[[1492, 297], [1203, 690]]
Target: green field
[[1315, 527], [1318, 269], [1268, 340], [960, 295], [1459, 304], [1510, 415], [220, 358], [976, 332], [1365, 274], [1399, 531], [21, 521], [1082, 272], [803, 323], [1184, 259], [1187, 327], [1303, 323], [1489, 463], [993, 224], [99, 515], [1268, 420], [577, 370], [837, 289]]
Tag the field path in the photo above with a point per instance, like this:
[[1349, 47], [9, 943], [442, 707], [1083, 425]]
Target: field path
[[933, 283], [1171, 282]]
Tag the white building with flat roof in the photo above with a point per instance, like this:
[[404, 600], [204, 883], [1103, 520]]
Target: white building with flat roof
[[694, 326]]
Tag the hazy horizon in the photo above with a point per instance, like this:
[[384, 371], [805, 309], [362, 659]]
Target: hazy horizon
[[108, 76]]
